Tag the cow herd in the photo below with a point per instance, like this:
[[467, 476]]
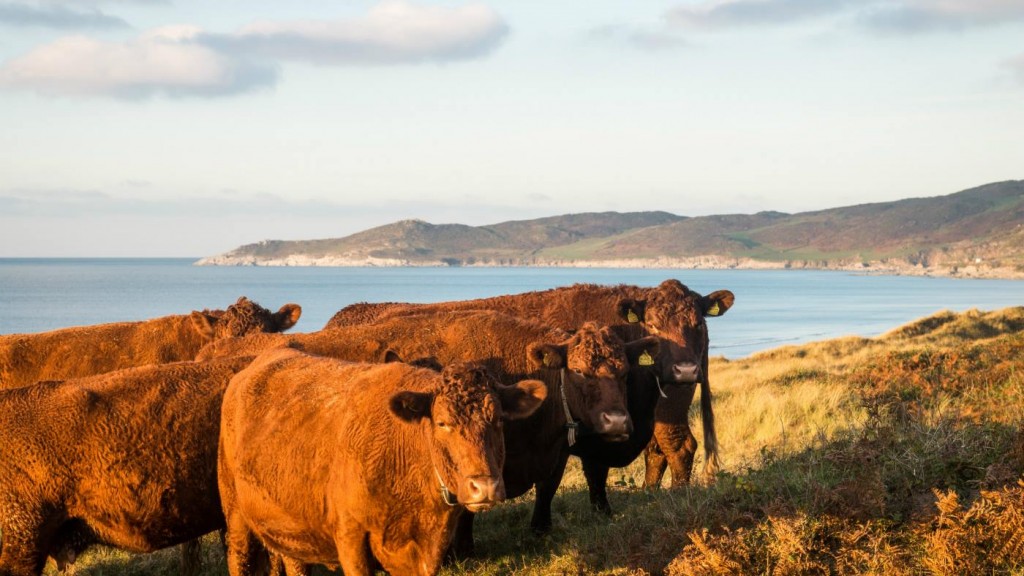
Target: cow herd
[[370, 443]]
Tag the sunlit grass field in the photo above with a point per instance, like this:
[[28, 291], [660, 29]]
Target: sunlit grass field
[[901, 454]]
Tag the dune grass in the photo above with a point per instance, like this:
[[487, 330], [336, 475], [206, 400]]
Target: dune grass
[[901, 454]]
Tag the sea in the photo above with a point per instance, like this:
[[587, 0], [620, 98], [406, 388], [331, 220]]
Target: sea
[[772, 308]]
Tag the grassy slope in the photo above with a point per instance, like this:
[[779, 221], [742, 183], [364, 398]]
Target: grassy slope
[[894, 455], [980, 222], [986, 222]]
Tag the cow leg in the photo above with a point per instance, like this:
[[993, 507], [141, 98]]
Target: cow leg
[[541, 521], [23, 551], [672, 437], [191, 557], [597, 483], [244, 551], [655, 464], [462, 543], [284, 566], [680, 462], [354, 554], [677, 446]]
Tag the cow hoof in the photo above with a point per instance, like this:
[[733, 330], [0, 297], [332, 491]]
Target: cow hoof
[[460, 549], [541, 530]]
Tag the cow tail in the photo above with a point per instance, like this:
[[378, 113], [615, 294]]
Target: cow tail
[[707, 417]]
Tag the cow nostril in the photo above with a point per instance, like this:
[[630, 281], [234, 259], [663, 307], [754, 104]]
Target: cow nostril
[[686, 371], [483, 489], [616, 422]]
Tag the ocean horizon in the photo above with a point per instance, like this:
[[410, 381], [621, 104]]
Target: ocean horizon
[[773, 307]]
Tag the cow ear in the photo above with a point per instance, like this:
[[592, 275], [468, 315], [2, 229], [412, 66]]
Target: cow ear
[[287, 316], [716, 303], [521, 399], [643, 352], [203, 324], [632, 311], [392, 356], [411, 406], [547, 355]]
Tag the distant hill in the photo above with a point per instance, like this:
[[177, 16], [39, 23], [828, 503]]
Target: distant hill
[[976, 232]]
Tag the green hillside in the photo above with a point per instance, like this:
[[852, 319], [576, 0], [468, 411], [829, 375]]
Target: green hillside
[[981, 228]]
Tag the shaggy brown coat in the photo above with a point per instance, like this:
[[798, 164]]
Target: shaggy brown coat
[[332, 462], [670, 310], [126, 459], [89, 350]]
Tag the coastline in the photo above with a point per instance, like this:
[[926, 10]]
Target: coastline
[[711, 262]]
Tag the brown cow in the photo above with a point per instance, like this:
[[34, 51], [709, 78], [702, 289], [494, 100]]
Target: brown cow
[[333, 462], [126, 459], [88, 350], [592, 364], [670, 310]]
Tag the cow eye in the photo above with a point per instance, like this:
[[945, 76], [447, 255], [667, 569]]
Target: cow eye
[[443, 426], [577, 371]]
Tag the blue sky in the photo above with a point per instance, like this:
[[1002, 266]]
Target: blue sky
[[187, 128]]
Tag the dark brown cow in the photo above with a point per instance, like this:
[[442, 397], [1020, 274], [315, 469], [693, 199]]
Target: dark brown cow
[[643, 389], [90, 350], [126, 459], [670, 310], [333, 462]]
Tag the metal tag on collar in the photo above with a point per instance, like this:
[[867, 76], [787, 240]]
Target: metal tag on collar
[[447, 496]]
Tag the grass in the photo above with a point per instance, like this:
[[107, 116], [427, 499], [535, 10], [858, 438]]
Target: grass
[[901, 454]]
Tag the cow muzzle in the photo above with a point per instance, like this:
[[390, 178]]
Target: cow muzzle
[[615, 426], [685, 372], [478, 493]]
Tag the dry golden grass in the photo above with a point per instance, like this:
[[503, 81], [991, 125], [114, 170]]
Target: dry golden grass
[[901, 454]]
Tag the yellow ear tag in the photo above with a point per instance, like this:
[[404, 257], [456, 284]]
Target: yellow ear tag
[[548, 361], [645, 359], [632, 317], [714, 310]]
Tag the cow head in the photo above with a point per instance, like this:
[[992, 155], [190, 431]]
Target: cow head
[[593, 369], [463, 419], [678, 315], [244, 317], [650, 368]]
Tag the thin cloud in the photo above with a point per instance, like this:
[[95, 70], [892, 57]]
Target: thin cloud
[[649, 39], [164, 61], [729, 14], [1016, 67], [912, 16], [56, 16], [68, 203], [885, 16], [392, 32]]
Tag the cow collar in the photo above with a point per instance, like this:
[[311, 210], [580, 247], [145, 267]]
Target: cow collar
[[570, 424], [446, 495], [657, 380]]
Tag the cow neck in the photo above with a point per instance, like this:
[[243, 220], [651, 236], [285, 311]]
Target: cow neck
[[446, 495], [570, 425]]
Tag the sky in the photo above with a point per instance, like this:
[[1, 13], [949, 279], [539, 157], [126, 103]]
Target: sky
[[191, 127]]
